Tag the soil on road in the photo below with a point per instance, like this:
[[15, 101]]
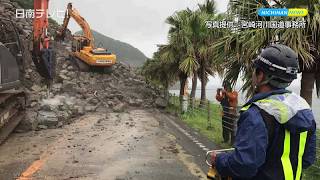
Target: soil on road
[[120, 146]]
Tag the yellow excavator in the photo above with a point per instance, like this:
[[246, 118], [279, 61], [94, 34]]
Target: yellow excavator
[[84, 52]]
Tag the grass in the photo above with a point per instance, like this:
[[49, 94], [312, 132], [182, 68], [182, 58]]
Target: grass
[[198, 120], [313, 172]]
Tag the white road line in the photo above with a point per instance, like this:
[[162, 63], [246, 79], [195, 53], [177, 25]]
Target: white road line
[[206, 149], [193, 139]]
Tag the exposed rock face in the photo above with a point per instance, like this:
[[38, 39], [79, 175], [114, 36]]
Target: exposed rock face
[[74, 93]]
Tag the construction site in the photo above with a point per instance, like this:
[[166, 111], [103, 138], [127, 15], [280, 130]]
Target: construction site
[[62, 119]]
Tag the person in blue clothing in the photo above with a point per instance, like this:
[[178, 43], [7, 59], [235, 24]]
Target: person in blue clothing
[[276, 136]]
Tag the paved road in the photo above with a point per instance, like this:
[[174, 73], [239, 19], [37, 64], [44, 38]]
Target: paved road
[[138, 144]]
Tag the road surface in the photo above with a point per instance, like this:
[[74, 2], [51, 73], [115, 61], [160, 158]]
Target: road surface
[[137, 144]]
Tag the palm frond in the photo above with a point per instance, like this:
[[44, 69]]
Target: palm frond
[[189, 65]]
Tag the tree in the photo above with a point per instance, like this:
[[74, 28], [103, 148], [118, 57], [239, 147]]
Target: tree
[[180, 47], [242, 45], [158, 73], [194, 39], [187, 53]]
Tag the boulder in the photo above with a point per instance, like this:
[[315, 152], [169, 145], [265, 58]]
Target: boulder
[[49, 119], [161, 103], [69, 86], [46, 107], [119, 108], [2, 9], [135, 103], [53, 103], [79, 110], [64, 77], [42, 127], [36, 88], [93, 101], [57, 87], [90, 108], [64, 116]]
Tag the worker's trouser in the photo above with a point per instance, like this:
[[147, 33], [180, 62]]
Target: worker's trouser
[[228, 128]]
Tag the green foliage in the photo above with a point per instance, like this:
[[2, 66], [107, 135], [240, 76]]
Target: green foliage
[[187, 52], [25, 4], [53, 22], [313, 173], [159, 71], [197, 119], [238, 48]]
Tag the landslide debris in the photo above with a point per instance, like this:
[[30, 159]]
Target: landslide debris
[[73, 93]]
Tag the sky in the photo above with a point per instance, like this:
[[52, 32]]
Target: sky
[[140, 23]]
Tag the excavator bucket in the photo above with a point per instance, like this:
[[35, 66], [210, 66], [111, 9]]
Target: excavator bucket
[[9, 69]]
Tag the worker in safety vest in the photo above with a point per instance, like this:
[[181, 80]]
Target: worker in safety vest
[[276, 136], [229, 102]]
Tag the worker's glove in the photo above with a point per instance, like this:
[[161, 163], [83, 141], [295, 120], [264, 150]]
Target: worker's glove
[[213, 158]]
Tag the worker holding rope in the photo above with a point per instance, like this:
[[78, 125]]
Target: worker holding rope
[[229, 102]]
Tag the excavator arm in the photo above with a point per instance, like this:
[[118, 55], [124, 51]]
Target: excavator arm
[[72, 12], [43, 55]]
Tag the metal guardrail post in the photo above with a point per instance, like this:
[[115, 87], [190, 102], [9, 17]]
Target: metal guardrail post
[[209, 125]]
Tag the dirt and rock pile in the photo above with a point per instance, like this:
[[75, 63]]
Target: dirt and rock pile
[[74, 93]]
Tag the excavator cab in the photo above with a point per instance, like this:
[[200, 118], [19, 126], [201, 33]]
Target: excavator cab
[[100, 51], [79, 42]]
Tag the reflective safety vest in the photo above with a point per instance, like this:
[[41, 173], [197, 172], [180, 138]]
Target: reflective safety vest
[[281, 108]]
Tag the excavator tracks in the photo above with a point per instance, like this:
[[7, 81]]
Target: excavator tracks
[[12, 111]]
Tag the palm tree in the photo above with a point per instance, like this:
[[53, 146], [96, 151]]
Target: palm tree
[[242, 45], [307, 46], [209, 66], [198, 61], [179, 49]]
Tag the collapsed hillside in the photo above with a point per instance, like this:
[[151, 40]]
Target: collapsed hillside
[[73, 93]]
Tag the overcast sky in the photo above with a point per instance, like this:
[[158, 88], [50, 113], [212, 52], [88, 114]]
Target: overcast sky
[[140, 23]]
